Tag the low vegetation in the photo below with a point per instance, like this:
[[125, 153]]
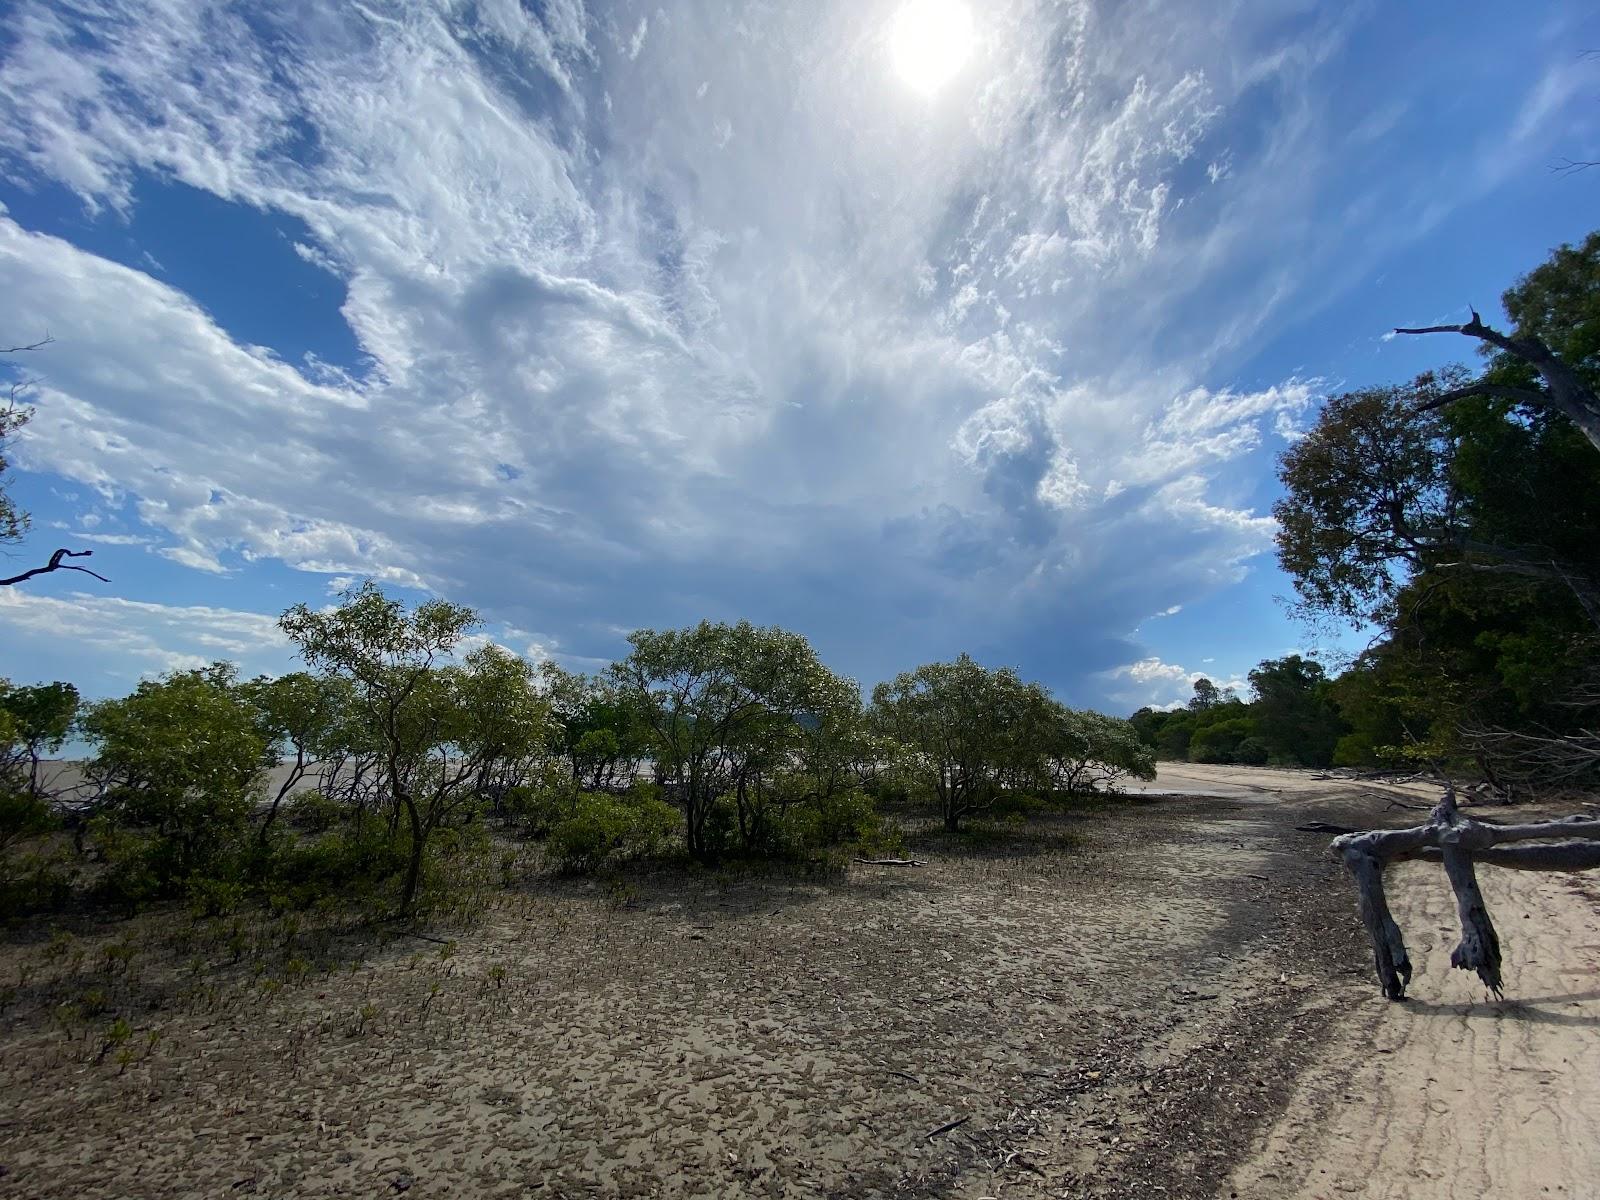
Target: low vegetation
[[413, 763]]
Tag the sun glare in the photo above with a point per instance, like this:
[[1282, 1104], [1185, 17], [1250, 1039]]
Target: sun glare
[[929, 42]]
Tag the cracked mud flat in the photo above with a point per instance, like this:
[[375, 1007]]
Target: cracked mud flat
[[1110, 1003]]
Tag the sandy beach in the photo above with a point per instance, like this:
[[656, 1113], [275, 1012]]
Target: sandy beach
[[1164, 997]]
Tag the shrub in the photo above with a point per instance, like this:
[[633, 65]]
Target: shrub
[[603, 830], [35, 879], [846, 816], [1252, 751], [184, 761], [130, 878], [1220, 743], [823, 821], [316, 812], [352, 860], [215, 897], [540, 807], [460, 872]]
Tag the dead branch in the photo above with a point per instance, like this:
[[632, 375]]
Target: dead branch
[[1567, 395], [1459, 842], [55, 564], [891, 862], [947, 1127], [39, 345], [1497, 391], [1540, 755]]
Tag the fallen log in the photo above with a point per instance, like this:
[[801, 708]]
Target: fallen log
[[1459, 843], [891, 862]]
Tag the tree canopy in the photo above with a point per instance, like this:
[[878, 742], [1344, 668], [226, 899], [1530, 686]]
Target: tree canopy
[[1459, 514]]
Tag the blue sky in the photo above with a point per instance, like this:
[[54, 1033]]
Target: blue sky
[[598, 316]]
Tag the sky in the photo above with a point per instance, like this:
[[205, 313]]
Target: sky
[[917, 330]]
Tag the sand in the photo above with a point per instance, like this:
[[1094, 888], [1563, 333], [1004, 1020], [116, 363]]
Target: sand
[[1157, 998], [1452, 1093]]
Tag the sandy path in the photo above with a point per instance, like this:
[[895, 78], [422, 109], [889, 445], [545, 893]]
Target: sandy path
[[1463, 1096]]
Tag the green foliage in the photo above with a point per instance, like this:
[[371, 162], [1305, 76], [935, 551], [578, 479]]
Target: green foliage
[[600, 727], [604, 830], [1297, 720], [1219, 741], [315, 811], [33, 721], [22, 816], [1293, 720], [1252, 751], [965, 733], [438, 731], [34, 877], [1367, 499], [1088, 750], [1469, 534], [730, 709], [538, 807], [357, 860], [181, 760], [1559, 303], [1206, 695]]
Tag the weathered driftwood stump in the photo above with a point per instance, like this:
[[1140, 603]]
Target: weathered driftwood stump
[[1567, 844]]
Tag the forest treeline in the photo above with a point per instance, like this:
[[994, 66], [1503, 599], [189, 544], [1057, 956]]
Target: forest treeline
[[411, 753], [1292, 720], [1458, 517]]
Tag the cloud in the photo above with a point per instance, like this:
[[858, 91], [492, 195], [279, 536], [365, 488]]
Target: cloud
[[1152, 683], [112, 642], [913, 377]]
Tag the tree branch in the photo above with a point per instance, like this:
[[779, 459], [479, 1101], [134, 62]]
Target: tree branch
[[39, 345], [1568, 166], [1499, 391], [55, 564], [1568, 394]]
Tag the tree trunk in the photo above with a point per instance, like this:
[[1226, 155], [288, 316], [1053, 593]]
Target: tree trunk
[[295, 776], [408, 893]]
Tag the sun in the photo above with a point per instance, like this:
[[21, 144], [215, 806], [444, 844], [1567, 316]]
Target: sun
[[929, 42]]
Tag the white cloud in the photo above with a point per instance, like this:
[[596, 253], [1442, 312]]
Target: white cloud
[[812, 353], [113, 642], [1150, 682], [636, 43]]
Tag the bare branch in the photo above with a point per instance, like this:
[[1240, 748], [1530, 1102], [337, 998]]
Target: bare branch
[[1568, 394], [39, 345], [1498, 391], [55, 564]]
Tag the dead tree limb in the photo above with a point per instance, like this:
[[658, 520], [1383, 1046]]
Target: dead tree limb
[[1459, 842], [891, 862], [39, 345], [55, 564], [946, 1127], [1567, 394]]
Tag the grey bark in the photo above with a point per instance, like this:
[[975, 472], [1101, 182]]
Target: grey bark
[[1568, 394], [1459, 842]]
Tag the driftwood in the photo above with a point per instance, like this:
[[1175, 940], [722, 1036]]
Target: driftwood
[[1460, 843], [891, 862]]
